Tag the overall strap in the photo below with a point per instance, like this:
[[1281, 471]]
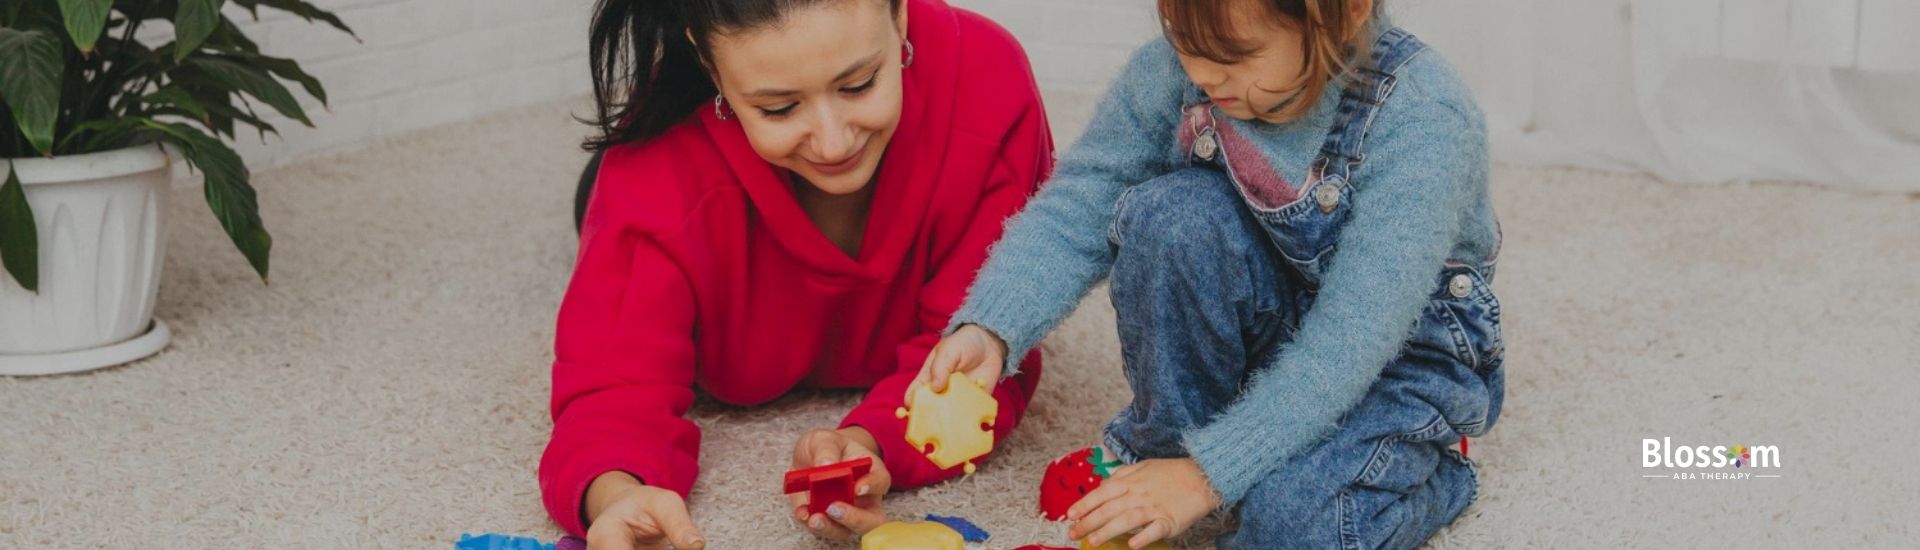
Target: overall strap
[[1366, 88]]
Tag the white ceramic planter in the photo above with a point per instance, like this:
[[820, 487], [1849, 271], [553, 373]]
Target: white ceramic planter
[[102, 224]]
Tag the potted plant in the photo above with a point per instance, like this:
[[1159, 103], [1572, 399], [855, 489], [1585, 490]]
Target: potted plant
[[91, 117]]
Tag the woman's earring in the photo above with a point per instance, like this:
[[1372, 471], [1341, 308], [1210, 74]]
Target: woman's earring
[[909, 62], [719, 107]]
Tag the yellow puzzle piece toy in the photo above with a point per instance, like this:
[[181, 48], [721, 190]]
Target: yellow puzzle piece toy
[[957, 424], [925, 535]]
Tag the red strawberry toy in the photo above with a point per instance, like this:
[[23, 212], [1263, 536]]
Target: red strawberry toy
[[1071, 477]]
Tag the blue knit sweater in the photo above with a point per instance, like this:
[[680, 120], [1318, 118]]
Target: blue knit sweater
[[1421, 200]]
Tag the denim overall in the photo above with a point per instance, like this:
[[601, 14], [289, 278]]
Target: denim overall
[[1215, 265]]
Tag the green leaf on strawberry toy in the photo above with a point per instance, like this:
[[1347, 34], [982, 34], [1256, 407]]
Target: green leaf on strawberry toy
[[1103, 465]]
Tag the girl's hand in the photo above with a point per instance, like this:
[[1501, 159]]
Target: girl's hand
[[973, 351], [630, 516], [1161, 498], [843, 520]]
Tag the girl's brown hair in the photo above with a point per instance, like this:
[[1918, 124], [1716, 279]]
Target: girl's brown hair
[[1331, 29]]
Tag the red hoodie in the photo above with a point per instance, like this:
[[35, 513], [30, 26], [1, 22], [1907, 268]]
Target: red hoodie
[[697, 267]]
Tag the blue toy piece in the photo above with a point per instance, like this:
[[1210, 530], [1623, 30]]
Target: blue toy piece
[[969, 531], [492, 541]]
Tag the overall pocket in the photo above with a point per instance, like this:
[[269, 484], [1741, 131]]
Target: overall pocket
[[1306, 230]]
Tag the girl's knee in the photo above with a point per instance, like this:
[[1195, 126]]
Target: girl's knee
[[1189, 208], [1388, 518], [1401, 508]]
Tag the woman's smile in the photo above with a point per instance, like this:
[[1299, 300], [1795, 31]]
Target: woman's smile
[[840, 166]]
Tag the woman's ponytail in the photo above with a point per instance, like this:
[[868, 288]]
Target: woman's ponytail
[[646, 75]]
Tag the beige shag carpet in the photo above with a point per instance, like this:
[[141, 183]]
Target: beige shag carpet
[[389, 388]]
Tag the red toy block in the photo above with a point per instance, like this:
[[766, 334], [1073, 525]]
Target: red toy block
[[828, 484]]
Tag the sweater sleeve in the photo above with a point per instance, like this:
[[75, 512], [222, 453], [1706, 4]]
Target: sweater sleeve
[[622, 374], [1056, 248], [1026, 157], [1405, 221]]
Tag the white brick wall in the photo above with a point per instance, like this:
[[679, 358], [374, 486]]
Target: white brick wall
[[1076, 47], [1691, 90], [430, 62], [420, 63]]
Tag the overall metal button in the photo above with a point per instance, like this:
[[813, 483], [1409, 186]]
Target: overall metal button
[[1206, 146], [1460, 285], [1328, 195]]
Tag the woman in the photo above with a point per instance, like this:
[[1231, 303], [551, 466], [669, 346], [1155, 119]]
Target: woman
[[793, 193]]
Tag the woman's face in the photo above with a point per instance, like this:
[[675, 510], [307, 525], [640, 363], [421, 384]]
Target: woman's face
[[818, 93]]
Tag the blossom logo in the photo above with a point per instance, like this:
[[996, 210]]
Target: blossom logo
[[1708, 462]]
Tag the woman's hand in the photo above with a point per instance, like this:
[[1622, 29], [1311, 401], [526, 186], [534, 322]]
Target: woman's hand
[[843, 520], [972, 351], [1161, 498], [628, 515]]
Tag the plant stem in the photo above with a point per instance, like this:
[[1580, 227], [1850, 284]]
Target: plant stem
[[117, 104]]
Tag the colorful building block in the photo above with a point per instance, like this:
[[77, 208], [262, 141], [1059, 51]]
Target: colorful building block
[[828, 484], [957, 425], [967, 530], [492, 541], [925, 535]]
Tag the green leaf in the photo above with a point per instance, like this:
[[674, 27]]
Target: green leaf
[[300, 8], [228, 193], [99, 133], [19, 238], [288, 69], [228, 38], [85, 19], [221, 114], [30, 67], [192, 24], [177, 97], [220, 104], [254, 81]]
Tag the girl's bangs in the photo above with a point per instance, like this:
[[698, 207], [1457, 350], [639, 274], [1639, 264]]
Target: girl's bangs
[[1203, 28]]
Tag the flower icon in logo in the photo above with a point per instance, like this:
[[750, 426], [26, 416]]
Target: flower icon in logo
[[1740, 455]]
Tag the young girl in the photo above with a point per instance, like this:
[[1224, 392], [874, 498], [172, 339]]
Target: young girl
[[1290, 200]]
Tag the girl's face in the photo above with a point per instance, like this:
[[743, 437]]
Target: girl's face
[[1265, 80], [819, 92]]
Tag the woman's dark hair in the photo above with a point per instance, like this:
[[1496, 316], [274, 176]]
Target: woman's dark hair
[[647, 75]]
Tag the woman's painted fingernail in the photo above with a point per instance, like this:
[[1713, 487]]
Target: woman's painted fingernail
[[818, 523], [861, 491], [837, 511]]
